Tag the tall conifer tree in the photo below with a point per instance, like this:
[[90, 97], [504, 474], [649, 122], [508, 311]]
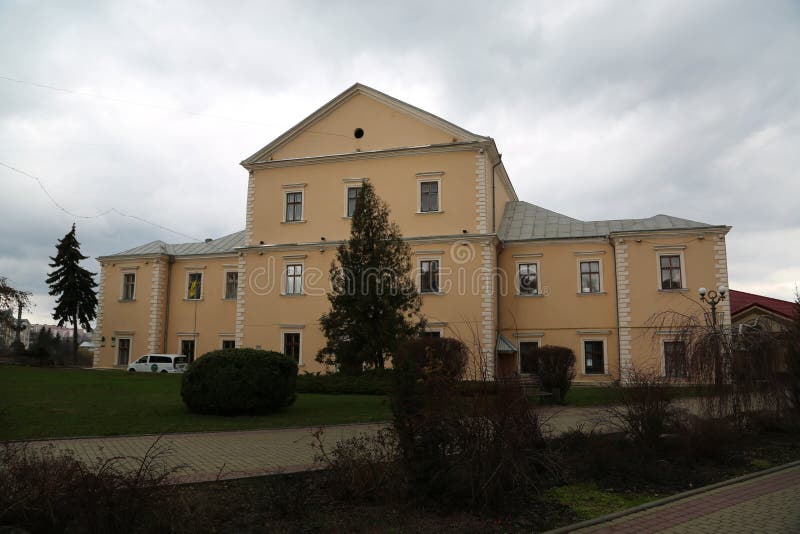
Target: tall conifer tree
[[374, 302], [74, 286]]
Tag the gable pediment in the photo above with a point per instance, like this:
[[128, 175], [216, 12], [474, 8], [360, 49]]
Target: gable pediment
[[361, 119]]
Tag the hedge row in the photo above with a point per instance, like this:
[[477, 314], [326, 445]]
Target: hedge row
[[368, 383], [371, 383]]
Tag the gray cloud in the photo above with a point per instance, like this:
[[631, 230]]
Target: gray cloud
[[602, 110]]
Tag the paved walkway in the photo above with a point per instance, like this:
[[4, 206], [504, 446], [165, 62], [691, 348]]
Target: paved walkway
[[206, 456], [766, 503]]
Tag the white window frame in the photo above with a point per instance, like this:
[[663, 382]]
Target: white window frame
[[285, 278], [187, 337], [520, 341], [601, 274], [130, 350], [603, 340], [202, 285], [225, 284], [300, 349], [355, 183], [673, 252], [437, 259], [122, 288], [286, 193], [538, 278], [664, 355], [433, 177]]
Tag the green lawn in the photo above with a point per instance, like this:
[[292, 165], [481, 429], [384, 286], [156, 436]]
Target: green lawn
[[39, 403]]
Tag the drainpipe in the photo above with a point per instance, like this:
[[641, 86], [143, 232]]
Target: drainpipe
[[616, 304], [494, 207], [170, 261], [497, 257]]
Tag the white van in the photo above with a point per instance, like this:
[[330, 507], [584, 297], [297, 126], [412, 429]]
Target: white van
[[160, 363]]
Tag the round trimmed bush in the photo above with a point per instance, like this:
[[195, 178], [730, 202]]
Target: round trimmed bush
[[239, 381]]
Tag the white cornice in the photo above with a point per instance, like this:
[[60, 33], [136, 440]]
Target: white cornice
[[367, 154]]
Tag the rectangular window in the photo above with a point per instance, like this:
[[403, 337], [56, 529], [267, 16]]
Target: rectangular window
[[674, 359], [528, 357], [187, 349], [294, 206], [123, 351], [128, 286], [429, 276], [194, 289], [294, 279], [428, 196], [671, 272], [590, 276], [528, 279], [593, 357], [231, 280], [291, 345], [228, 344], [352, 198], [432, 334]]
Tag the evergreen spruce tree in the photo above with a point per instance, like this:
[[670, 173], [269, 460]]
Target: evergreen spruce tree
[[74, 286], [374, 302]]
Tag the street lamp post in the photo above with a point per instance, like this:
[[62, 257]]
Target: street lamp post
[[713, 298]]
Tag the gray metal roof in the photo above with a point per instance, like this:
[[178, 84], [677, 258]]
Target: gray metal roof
[[504, 345], [215, 246], [523, 221]]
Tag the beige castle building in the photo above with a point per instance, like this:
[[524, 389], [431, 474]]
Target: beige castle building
[[501, 274]]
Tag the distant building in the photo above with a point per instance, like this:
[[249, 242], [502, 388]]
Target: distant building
[[751, 309]]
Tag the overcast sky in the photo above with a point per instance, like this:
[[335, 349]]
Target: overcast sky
[[601, 109]]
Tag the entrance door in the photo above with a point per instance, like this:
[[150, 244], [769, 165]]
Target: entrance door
[[187, 349], [123, 351]]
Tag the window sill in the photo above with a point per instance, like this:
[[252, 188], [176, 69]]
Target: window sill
[[290, 295], [192, 300], [294, 222], [528, 295], [126, 300], [596, 374], [430, 212], [431, 293], [592, 293], [679, 290]]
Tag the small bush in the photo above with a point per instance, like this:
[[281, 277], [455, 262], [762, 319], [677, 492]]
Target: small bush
[[646, 409], [372, 382], [483, 450], [50, 491], [239, 381], [362, 468], [556, 367]]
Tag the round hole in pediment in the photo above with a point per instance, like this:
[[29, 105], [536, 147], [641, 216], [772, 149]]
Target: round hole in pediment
[[359, 133]]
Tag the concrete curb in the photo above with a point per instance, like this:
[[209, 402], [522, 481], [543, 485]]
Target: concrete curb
[[668, 500]]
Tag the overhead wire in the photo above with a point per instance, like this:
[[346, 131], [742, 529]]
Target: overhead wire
[[58, 205]]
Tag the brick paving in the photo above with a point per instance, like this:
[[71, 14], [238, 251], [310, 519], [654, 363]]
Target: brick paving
[[206, 456], [768, 503]]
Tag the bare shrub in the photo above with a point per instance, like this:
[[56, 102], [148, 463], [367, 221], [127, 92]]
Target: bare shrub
[[485, 450], [362, 468], [50, 491], [744, 370], [556, 370], [645, 410]]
